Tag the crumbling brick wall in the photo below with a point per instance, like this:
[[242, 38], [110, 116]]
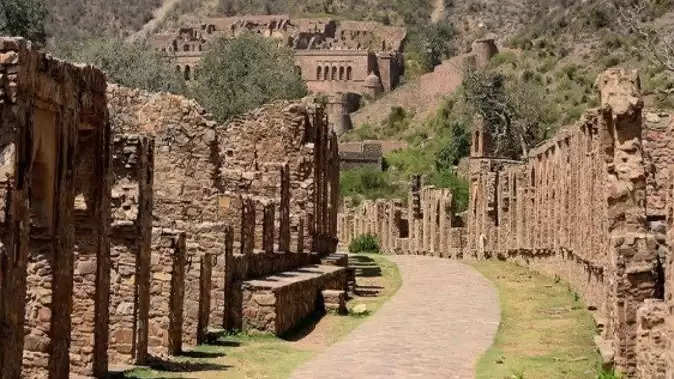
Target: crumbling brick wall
[[55, 182], [131, 233]]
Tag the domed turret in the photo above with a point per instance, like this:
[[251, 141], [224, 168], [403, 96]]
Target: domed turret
[[373, 84]]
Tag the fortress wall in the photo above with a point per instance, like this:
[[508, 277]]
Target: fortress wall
[[575, 208]]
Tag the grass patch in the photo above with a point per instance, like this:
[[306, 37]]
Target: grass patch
[[545, 331], [243, 355]]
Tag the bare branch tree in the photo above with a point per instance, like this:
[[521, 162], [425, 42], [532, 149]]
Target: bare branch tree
[[658, 47]]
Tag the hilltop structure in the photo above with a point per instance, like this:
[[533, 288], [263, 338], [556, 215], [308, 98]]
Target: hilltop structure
[[334, 57]]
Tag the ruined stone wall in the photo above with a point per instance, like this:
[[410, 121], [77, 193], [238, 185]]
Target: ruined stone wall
[[426, 226], [203, 172], [576, 208], [296, 135], [131, 234], [186, 182], [55, 147]]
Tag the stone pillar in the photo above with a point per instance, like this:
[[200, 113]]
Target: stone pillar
[[91, 212], [131, 239], [13, 250], [168, 292], [229, 276], [269, 217], [205, 279], [247, 225], [633, 250], [284, 224], [300, 236]]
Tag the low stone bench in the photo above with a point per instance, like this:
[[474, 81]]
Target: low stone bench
[[277, 303]]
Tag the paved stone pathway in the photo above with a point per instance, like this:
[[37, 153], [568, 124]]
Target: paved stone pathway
[[442, 319]]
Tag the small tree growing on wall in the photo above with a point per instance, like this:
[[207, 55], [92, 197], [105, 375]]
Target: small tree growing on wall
[[240, 74]]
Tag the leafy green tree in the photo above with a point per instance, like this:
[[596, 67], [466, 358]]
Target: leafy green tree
[[130, 64], [23, 18], [512, 110], [427, 46], [240, 74]]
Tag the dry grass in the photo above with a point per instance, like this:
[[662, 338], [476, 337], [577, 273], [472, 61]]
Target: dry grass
[[545, 331]]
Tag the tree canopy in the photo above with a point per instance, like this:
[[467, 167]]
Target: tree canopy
[[130, 64], [23, 18], [240, 74]]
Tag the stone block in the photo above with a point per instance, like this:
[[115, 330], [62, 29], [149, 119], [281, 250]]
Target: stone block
[[334, 301]]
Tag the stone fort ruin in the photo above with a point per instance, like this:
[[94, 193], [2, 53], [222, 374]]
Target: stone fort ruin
[[588, 206], [342, 59], [362, 57], [132, 224]]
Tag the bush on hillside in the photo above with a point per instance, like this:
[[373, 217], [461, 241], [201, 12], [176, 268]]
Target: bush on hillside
[[368, 183], [135, 65], [240, 74], [365, 243], [427, 46], [513, 112], [23, 18]]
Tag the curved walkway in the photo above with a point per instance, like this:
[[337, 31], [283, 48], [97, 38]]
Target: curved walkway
[[442, 319]]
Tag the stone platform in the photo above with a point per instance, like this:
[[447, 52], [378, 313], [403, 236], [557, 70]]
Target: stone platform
[[277, 303]]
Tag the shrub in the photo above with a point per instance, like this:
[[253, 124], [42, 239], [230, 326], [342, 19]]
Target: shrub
[[23, 18], [369, 183], [130, 64], [365, 243], [240, 74]]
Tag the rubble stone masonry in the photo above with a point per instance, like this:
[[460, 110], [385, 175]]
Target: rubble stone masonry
[[55, 186], [131, 235], [576, 207]]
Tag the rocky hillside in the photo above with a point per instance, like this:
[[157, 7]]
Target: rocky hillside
[[561, 51]]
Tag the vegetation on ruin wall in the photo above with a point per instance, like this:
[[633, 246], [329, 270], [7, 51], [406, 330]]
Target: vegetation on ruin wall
[[262, 356], [240, 74], [545, 330]]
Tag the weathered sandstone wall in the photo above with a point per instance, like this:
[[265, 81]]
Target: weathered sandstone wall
[[55, 186], [577, 208]]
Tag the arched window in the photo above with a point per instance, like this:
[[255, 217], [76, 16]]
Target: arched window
[[186, 47], [341, 73], [348, 73], [533, 177], [334, 73], [319, 70], [175, 45], [187, 72], [326, 73], [178, 69]]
